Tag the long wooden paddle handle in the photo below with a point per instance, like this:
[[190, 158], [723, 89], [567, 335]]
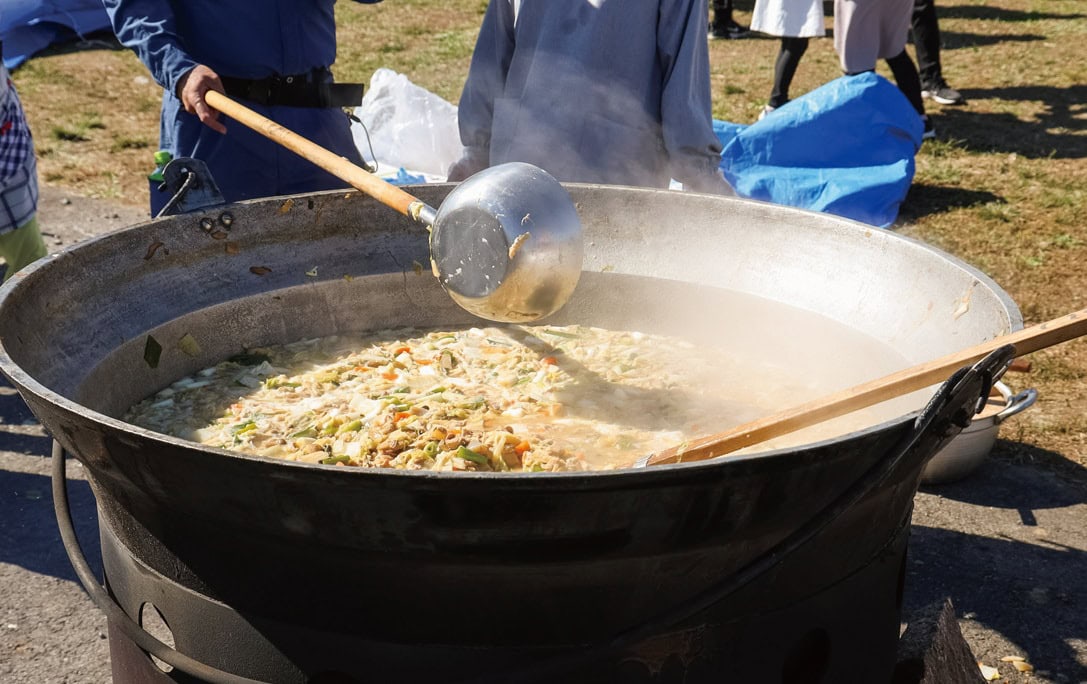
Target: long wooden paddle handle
[[870, 393], [356, 176]]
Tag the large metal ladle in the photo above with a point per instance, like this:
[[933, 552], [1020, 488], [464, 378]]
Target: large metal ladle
[[506, 243]]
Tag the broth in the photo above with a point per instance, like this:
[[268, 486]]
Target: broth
[[524, 398]]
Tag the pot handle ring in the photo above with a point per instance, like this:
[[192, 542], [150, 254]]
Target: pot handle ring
[[101, 598], [1020, 402]]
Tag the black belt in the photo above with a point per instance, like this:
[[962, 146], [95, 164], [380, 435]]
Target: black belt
[[313, 89]]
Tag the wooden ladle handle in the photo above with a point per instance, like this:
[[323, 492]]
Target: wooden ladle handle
[[355, 175], [870, 393]]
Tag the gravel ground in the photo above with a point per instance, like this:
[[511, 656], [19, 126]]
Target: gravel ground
[[49, 630], [1007, 545]]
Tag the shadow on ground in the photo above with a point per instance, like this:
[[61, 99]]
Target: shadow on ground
[[1052, 136], [923, 200], [1013, 588], [1005, 577], [29, 537], [955, 40], [28, 527], [992, 487], [1001, 14]]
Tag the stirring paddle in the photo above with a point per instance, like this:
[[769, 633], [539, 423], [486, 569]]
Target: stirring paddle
[[506, 243], [870, 393]]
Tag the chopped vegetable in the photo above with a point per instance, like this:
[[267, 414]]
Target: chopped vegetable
[[469, 455], [353, 426], [188, 345], [493, 399], [152, 352]]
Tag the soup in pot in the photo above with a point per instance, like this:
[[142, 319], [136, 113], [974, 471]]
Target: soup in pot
[[503, 398]]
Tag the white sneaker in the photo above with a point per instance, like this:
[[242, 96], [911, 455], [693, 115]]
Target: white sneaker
[[765, 110]]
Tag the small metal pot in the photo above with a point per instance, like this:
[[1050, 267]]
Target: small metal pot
[[965, 452]]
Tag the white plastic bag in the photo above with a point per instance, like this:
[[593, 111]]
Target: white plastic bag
[[410, 127]]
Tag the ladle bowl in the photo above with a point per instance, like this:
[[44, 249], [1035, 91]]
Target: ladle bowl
[[506, 244]]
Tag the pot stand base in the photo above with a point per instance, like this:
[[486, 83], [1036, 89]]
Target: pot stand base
[[847, 632]]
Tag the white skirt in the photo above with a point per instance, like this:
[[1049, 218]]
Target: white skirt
[[789, 18]]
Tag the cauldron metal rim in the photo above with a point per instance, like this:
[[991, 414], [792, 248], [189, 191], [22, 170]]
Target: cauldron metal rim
[[24, 380]]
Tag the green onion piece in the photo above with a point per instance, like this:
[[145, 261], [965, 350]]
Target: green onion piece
[[353, 426], [247, 426], [307, 432], [558, 333], [280, 381], [333, 460], [469, 455], [431, 449]]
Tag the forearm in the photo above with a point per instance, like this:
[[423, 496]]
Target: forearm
[[149, 29]]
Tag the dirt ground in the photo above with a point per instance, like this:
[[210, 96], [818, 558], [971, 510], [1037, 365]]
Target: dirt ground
[[1007, 545]]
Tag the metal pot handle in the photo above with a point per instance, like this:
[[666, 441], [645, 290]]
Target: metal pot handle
[[1018, 403], [114, 613]]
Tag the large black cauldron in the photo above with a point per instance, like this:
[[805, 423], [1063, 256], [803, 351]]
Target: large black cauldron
[[784, 566]]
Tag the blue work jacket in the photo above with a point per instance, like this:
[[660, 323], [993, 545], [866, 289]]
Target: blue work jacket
[[246, 40]]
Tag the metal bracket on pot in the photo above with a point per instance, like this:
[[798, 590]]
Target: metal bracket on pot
[[963, 396], [190, 185]]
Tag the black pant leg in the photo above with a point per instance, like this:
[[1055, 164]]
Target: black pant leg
[[722, 12], [906, 78], [792, 49], [926, 39]]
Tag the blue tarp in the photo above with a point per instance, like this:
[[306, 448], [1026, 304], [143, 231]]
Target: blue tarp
[[29, 26], [846, 148]]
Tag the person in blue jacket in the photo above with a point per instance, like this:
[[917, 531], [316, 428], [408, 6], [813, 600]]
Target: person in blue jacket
[[274, 57], [594, 91]]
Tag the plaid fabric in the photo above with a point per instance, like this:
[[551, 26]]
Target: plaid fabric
[[19, 196], [18, 167]]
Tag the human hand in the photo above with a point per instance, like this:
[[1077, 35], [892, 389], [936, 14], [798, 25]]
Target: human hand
[[190, 90], [464, 167]]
